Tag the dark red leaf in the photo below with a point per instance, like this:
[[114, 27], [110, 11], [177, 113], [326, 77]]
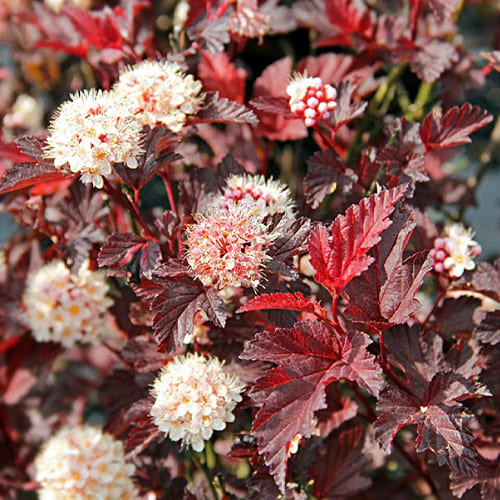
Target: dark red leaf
[[289, 301], [429, 398], [349, 107], [488, 331], [218, 73], [176, 302], [343, 257], [348, 18], [221, 110], [487, 477], [326, 173], [427, 58], [35, 172], [273, 105], [120, 250], [454, 127], [158, 151], [385, 294], [309, 357], [337, 471]]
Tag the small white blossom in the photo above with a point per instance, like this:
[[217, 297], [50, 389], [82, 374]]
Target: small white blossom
[[454, 252], [159, 92], [57, 5], [193, 398], [268, 197], [90, 132], [26, 112], [83, 463], [65, 308]]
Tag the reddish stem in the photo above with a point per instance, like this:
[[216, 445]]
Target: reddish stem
[[222, 8], [415, 12], [168, 188]]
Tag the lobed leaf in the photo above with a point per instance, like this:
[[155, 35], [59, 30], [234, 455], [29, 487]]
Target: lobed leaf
[[339, 260], [221, 110], [309, 356], [454, 127]]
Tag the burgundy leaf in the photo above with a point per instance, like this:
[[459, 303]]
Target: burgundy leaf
[[337, 471], [348, 106], [427, 58], [454, 127], [289, 301], [221, 110], [176, 302], [339, 260], [488, 331], [120, 250], [326, 173], [218, 73], [345, 15], [158, 151], [212, 35], [273, 105], [385, 294], [487, 478], [309, 357], [429, 398]]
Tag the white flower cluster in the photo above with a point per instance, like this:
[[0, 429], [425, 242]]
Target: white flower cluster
[[159, 92], [94, 129], [66, 308], [454, 252], [84, 463], [90, 132], [266, 197], [194, 397]]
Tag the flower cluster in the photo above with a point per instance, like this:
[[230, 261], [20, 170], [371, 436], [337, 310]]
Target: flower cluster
[[90, 132], [267, 197], [194, 397], [454, 252], [159, 92], [95, 129], [82, 462], [227, 248], [310, 99], [66, 308]]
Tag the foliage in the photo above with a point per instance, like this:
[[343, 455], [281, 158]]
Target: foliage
[[366, 371]]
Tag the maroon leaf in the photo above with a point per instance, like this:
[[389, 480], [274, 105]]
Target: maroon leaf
[[120, 250], [454, 316], [488, 332], [385, 294], [339, 260], [487, 477], [289, 301], [309, 357], [454, 127], [349, 107], [221, 110], [218, 73], [326, 173], [212, 35], [337, 471], [176, 302], [345, 15], [158, 151], [273, 105], [32, 173], [430, 397], [427, 58]]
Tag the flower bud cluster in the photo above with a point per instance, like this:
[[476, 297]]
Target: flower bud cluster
[[455, 251], [193, 398], [310, 99], [65, 308], [82, 462], [94, 129]]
